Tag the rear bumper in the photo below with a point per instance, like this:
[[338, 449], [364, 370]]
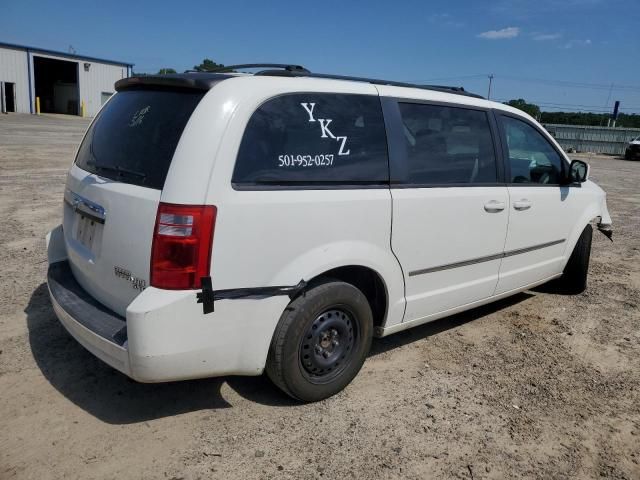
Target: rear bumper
[[165, 335], [102, 332]]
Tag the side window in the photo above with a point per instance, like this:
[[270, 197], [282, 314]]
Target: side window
[[314, 138], [448, 145], [532, 159]]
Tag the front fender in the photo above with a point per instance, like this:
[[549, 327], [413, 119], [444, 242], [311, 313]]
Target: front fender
[[319, 260], [596, 209]]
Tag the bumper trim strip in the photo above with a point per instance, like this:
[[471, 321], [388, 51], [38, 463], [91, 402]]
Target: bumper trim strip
[[82, 307]]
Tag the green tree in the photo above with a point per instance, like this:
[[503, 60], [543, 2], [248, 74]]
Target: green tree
[[207, 65], [165, 71], [530, 108]]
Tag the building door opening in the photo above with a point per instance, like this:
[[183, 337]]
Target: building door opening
[[56, 84], [9, 97], [104, 96]]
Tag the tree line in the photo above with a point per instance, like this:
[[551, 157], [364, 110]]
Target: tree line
[[205, 66], [575, 118]]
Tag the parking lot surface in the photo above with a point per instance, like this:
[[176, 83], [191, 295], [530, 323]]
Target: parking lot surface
[[536, 386]]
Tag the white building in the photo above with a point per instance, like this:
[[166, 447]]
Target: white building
[[63, 82]]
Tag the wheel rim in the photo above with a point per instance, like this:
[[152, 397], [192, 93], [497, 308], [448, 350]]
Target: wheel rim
[[327, 347]]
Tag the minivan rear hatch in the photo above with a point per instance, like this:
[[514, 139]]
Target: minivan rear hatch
[[114, 188]]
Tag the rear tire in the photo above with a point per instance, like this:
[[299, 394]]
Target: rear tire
[[321, 341], [574, 276]]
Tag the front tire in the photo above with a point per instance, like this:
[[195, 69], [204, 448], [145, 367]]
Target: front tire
[[321, 341], [574, 276]]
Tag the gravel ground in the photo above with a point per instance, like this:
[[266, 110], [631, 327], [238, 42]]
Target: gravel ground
[[536, 386]]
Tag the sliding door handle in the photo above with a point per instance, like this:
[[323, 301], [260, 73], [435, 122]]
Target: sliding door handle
[[494, 206], [523, 204]]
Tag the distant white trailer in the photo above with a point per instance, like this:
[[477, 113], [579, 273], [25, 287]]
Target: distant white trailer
[[56, 81]]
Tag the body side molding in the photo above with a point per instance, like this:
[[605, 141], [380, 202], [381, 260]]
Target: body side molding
[[487, 258]]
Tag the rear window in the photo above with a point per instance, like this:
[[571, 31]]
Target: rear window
[[314, 139], [135, 135]]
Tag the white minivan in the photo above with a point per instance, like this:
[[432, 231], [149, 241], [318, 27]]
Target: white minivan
[[227, 223]]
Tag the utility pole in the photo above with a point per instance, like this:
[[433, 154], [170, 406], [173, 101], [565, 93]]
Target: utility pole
[[490, 81], [614, 115]]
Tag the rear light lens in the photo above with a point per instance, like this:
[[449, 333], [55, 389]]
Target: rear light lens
[[182, 241]]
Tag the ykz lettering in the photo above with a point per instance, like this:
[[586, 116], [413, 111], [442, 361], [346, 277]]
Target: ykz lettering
[[325, 132]]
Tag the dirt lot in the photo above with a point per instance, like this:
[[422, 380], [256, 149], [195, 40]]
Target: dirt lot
[[538, 386]]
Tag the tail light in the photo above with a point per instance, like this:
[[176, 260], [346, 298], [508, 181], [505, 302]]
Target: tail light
[[182, 241]]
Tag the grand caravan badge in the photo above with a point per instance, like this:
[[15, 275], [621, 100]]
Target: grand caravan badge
[[136, 283]]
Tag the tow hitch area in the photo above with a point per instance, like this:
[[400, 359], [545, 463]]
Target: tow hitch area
[[208, 295], [606, 230]]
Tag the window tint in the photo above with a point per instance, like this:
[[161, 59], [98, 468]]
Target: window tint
[[448, 145], [135, 135], [314, 138], [532, 159]]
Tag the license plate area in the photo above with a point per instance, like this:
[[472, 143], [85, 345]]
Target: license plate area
[[88, 223], [86, 231]]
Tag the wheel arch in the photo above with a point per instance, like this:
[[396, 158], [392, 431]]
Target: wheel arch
[[590, 214], [368, 281], [368, 266]]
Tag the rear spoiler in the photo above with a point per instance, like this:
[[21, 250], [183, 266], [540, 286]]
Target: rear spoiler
[[189, 81]]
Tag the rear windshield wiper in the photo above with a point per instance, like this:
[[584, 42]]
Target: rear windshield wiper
[[118, 169]]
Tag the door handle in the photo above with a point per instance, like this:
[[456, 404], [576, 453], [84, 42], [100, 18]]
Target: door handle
[[494, 206], [523, 204]]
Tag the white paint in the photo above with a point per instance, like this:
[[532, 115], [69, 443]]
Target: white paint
[[279, 237], [551, 216], [440, 226], [123, 241]]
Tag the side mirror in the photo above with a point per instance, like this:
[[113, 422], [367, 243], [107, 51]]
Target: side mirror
[[578, 171]]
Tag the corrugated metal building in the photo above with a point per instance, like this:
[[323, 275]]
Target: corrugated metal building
[[584, 138], [62, 82]]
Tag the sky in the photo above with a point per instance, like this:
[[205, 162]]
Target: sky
[[569, 55]]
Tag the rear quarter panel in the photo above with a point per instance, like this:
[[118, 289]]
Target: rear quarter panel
[[278, 237]]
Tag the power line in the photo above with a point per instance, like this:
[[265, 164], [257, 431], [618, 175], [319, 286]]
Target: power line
[[566, 83], [551, 82], [445, 79]]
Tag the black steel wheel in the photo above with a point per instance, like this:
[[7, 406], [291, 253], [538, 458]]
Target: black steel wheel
[[321, 341], [325, 349]]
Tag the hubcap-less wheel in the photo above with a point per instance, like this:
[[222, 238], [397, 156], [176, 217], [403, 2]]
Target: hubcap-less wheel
[[321, 341], [327, 346]]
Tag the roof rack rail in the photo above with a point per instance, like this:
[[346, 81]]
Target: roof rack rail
[[288, 70], [375, 81], [283, 66]]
